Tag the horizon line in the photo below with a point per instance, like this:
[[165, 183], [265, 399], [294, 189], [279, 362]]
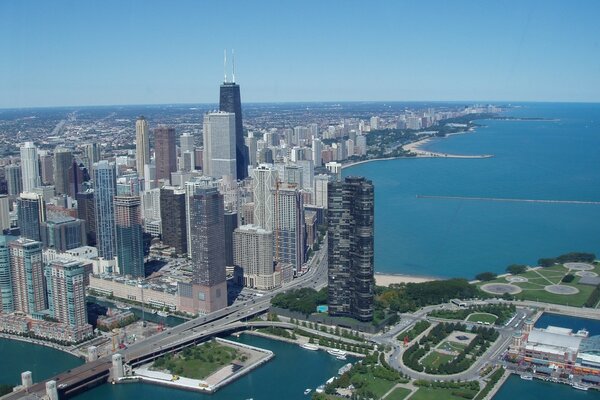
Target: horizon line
[[306, 102]]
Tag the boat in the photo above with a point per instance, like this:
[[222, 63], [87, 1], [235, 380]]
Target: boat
[[309, 346], [162, 314], [527, 377], [580, 386], [320, 389], [307, 391], [341, 357], [123, 307], [336, 352]]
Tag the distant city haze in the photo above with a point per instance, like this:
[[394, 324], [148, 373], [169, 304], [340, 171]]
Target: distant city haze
[[65, 53]]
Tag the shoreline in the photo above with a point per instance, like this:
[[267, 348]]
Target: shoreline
[[40, 343], [383, 279]]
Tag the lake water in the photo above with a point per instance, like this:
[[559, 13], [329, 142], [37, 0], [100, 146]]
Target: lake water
[[550, 160]]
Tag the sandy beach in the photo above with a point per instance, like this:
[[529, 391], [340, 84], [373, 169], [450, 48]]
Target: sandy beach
[[415, 147], [388, 279]]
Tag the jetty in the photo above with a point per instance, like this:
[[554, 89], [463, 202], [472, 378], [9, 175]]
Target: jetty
[[502, 199]]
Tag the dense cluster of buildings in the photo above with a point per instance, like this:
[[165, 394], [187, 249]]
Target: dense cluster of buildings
[[223, 203]]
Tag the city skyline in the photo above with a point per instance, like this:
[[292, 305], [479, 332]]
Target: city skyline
[[388, 51]]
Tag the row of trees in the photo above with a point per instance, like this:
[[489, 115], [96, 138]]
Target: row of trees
[[503, 311], [416, 330], [569, 257], [303, 300], [412, 296]]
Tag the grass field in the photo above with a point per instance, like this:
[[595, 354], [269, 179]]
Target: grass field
[[482, 318], [379, 386], [451, 346], [435, 359], [533, 290], [398, 394], [434, 394]]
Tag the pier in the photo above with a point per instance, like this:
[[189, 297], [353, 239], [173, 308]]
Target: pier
[[508, 200]]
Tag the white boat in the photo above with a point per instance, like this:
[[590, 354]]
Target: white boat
[[162, 314], [580, 386], [307, 391], [527, 377], [123, 307], [320, 389], [341, 357], [336, 352], [309, 346]]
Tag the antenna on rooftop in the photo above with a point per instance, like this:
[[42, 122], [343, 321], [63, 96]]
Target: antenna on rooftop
[[225, 64], [233, 62]]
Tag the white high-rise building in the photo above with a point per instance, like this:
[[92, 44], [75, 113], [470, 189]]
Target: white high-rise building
[[188, 155], [308, 173], [264, 179], [320, 197], [317, 148], [142, 146], [288, 226], [4, 213], [219, 158], [30, 168]]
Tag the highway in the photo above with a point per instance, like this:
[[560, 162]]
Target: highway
[[195, 330]]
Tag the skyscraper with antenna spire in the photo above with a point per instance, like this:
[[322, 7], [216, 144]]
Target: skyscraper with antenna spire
[[230, 101]]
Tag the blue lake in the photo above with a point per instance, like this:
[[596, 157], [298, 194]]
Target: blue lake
[[556, 159]]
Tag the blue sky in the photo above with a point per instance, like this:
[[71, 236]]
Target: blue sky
[[145, 52]]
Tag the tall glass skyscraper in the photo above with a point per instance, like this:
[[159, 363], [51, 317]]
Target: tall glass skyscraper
[[105, 185], [31, 212], [230, 101], [219, 157], [142, 145], [130, 244], [351, 286], [63, 159]]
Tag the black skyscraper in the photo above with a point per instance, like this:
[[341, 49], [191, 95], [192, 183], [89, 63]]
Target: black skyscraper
[[350, 217], [230, 101]]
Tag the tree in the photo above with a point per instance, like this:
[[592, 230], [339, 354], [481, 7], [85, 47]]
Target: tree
[[486, 276], [516, 269]]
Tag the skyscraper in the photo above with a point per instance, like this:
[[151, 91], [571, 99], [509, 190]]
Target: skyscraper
[[130, 244], [142, 145], [14, 179], [209, 286], [91, 154], [350, 218], [30, 167], [6, 291], [230, 101], [231, 223], [253, 251], [63, 158], [31, 211], [188, 155], [165, 153], [27, 273], [47, 168], [66, 292], [173, 218], [105, 184], [219, 145], [264, 179], [62, 233], [288, 226], [4, 213], [86, 212]]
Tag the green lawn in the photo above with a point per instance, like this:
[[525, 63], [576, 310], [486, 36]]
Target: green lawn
[[435, 359], [451, 346], [435, 394], [482, 317], [379, 386], [198, 362], [533, 290], [398, 394]]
